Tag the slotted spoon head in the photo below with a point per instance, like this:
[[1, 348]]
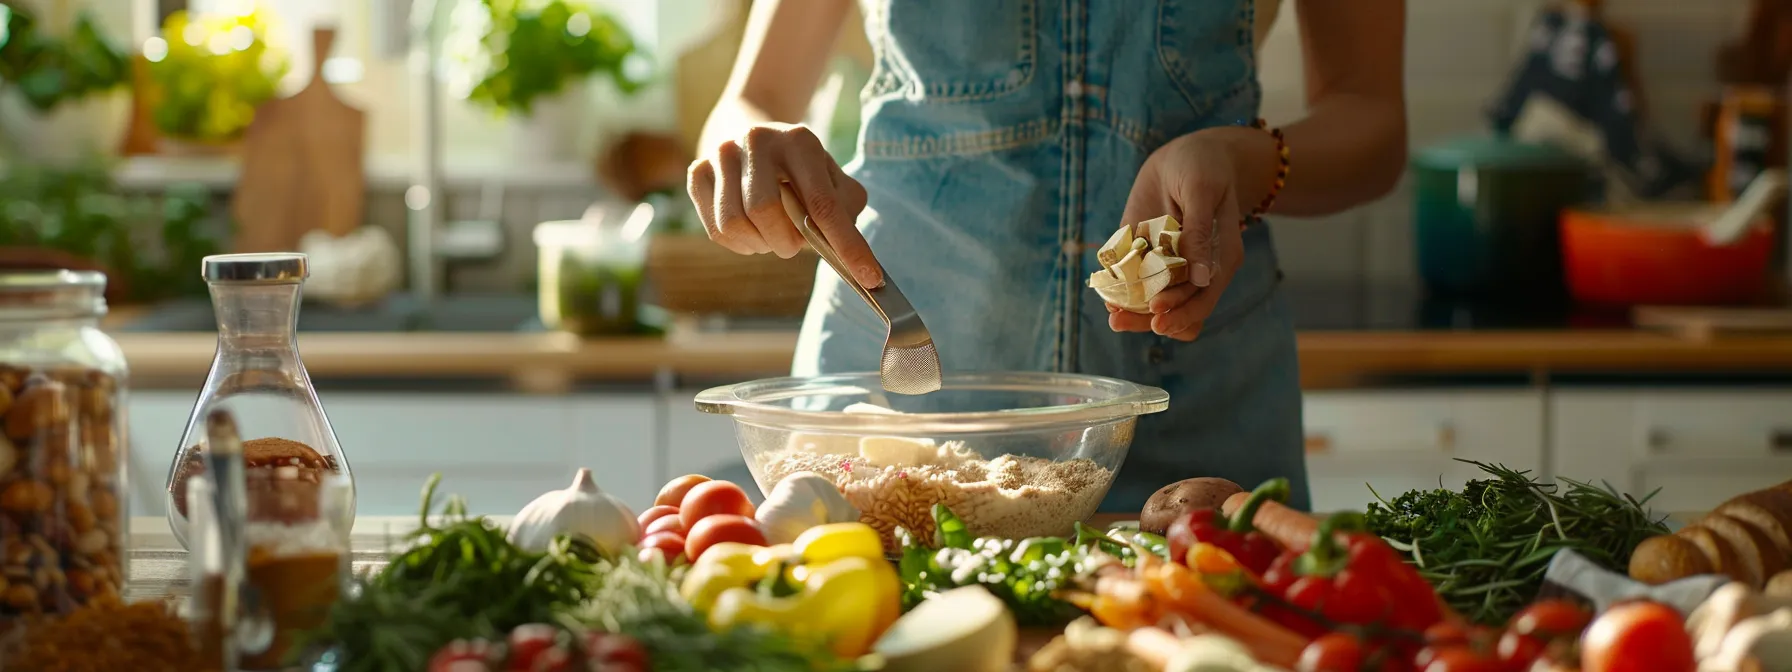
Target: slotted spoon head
[[910, 369]]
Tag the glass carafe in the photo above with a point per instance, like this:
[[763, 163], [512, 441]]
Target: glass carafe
[[257, 376]]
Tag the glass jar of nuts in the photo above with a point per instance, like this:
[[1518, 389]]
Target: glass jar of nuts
[[62, 447]]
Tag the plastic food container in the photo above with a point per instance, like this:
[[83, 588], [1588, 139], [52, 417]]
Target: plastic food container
[[1015, 454], [590, 273]]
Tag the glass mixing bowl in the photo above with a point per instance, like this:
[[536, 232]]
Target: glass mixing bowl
[[1016, 454]]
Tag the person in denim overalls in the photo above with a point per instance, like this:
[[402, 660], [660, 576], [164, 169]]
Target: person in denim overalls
[[1005, 140]]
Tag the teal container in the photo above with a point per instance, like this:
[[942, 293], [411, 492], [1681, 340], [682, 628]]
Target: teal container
[[1486, 216]]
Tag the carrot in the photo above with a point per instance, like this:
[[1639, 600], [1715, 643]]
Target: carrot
[[1288, 527], [1265, 639]]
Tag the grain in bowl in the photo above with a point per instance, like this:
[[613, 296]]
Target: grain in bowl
[[895, 482]]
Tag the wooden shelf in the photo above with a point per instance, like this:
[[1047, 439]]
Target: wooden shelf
[[385, 172]]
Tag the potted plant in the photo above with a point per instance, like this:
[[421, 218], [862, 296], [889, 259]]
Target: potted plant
[[531, 61], [208, 74], [63, 81]]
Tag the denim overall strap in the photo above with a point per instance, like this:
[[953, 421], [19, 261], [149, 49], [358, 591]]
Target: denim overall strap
[[999, 143]]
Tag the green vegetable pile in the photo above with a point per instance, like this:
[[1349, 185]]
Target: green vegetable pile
[[1487, 547], [1026, 575], [462, 579]]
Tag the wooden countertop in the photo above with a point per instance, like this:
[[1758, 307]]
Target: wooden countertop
[[548, 362]]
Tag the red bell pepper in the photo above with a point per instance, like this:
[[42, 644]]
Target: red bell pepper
[[1252, 549], [1349, 576]]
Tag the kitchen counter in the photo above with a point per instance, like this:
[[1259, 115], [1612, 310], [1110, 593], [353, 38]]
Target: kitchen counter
[[549, 362]]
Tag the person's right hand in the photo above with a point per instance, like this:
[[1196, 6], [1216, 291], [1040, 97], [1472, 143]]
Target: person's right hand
[[735, 188]]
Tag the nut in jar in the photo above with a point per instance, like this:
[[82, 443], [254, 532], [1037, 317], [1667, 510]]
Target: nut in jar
[[60, 519]]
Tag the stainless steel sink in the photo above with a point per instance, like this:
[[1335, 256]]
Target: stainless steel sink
[[463, 313]]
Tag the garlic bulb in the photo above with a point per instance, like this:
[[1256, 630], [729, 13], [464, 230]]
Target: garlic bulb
[[801, 501], [581, 510]]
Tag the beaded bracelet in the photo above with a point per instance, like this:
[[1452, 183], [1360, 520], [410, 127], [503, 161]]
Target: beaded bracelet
[[1282, 167]]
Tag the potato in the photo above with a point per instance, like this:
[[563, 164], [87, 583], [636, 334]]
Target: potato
[[1177, 499]]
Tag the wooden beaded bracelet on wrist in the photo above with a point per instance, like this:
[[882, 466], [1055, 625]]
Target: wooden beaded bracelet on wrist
[[1282, 167]]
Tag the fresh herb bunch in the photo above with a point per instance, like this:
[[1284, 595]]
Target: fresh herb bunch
[[461, 579], [641, 600], [150, 244], [216, 70], [1487, 547], [1026, 575], [529, 49], [48, 71]]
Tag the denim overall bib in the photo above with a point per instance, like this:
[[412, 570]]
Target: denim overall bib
[[1000, 140]]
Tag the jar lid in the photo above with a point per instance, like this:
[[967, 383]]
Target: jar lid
[[51, 294], [1494, 152], [274, 267]]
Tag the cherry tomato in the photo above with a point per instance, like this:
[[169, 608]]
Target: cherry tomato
[[557, 659], [674, 492], [716, 529], [616, 650], [1336, 652], [1637, 636], [1550, 618], [1460, 659], [1446, 633], [527, 642], [669, 545], [647, 517], [713, 498], [463, 655], [1519, 651], [664, 524]]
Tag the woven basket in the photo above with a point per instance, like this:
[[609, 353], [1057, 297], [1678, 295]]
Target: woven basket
[[690, 274]]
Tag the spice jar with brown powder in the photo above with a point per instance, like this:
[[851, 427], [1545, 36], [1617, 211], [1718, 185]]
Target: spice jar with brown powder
[[289, 447], [62, 453]]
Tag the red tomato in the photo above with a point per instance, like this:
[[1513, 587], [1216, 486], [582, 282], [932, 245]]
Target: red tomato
[[557, 659], [1637, 637], [713, 498], [1460, 659], [1519, 651], [462, 655], [1336, 652], [1550, 618], [719, 528], [664, 524], [615, 650], [527, 642], [1446, 633], [673, 494], [647, 517], [668, 545]]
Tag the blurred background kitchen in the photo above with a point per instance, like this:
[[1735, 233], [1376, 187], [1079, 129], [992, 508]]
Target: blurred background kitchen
[[508, 283]]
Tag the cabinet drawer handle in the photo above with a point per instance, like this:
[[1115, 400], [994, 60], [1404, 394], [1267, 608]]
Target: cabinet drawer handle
[[1321, 443], [1781, 441]]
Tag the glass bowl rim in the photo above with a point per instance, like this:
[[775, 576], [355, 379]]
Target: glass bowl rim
[[1114, 399]]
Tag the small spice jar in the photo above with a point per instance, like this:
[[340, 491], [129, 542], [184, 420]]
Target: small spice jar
[[62, 453]]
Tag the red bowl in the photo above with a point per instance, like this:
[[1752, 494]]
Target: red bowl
[[1654, 255]]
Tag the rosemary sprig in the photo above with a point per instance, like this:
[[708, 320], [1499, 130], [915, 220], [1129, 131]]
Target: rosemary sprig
[[1486, 548]]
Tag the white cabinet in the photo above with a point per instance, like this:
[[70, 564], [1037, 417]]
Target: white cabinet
[[702, 443], [1698, 447], [498, 451], [1406, 440]]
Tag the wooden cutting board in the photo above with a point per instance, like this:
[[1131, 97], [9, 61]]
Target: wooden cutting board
[[302, 165]]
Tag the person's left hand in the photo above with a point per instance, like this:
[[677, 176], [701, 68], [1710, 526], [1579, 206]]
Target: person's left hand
[[1195, 179]]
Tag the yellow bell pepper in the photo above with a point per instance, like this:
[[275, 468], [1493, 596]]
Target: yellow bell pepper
[[844, 590]]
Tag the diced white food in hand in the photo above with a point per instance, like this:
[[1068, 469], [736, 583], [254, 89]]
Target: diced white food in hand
[[1162, 224]]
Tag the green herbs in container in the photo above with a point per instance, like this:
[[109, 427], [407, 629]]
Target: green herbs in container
[[590, 276], [1486, 548]]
